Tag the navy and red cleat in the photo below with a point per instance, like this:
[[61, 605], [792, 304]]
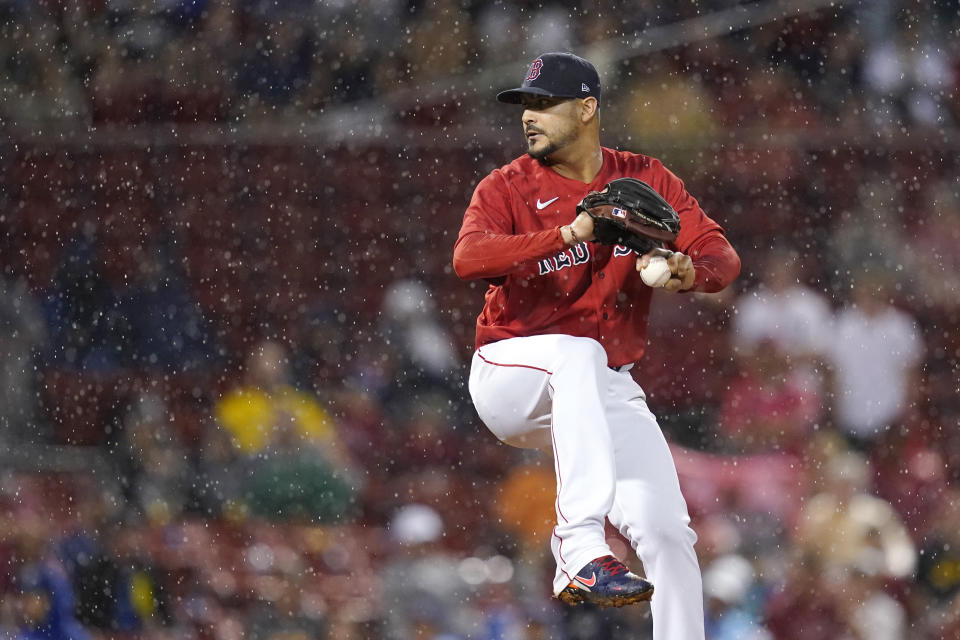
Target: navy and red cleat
[[606, 582]]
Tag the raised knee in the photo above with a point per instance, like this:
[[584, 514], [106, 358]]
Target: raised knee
[[581, 350]]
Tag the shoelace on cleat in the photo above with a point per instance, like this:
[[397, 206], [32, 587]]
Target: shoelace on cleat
[[613, 566]]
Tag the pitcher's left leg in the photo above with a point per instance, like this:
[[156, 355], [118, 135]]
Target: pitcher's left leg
[[650, 512]]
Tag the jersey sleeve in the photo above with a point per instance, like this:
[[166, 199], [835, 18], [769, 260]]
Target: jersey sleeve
[[715, 261], [714, 258], [489, 208], [487, 246]]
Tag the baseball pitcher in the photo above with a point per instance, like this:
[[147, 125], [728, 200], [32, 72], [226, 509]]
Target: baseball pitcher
[[572, 238]]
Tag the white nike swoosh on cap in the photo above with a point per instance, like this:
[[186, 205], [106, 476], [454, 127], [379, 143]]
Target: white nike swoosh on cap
[[541, 205]]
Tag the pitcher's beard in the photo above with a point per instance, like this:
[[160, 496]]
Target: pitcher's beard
[[557, 141], [541, 155]]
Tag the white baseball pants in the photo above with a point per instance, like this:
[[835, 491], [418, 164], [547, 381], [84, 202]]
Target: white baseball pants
[[611, 460]]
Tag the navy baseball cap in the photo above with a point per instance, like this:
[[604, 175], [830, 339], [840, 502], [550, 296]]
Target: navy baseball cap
[[556, 75]]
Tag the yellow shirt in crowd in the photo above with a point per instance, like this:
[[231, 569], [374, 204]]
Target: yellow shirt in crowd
[[253, 417]]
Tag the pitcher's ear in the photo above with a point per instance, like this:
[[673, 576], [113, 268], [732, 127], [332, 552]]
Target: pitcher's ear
[[588, 108]]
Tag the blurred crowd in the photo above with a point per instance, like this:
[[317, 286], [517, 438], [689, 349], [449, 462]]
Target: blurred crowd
[[863, 65], [270, 398]]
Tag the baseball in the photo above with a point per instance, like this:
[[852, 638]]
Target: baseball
[[656, 273]]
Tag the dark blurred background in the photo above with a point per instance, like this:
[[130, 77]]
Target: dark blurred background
[[233, 351]]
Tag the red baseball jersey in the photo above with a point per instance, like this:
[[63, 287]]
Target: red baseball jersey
[[538, 285]]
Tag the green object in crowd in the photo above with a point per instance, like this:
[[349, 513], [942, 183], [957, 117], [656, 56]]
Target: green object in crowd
[[294, 488]]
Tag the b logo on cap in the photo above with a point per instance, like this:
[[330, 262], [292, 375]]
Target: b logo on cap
[[535, 70]]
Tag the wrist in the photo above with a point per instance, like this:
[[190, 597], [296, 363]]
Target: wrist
[[569, 235]]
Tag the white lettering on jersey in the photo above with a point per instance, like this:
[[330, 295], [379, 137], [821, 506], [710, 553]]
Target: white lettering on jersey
[[577, 254]]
